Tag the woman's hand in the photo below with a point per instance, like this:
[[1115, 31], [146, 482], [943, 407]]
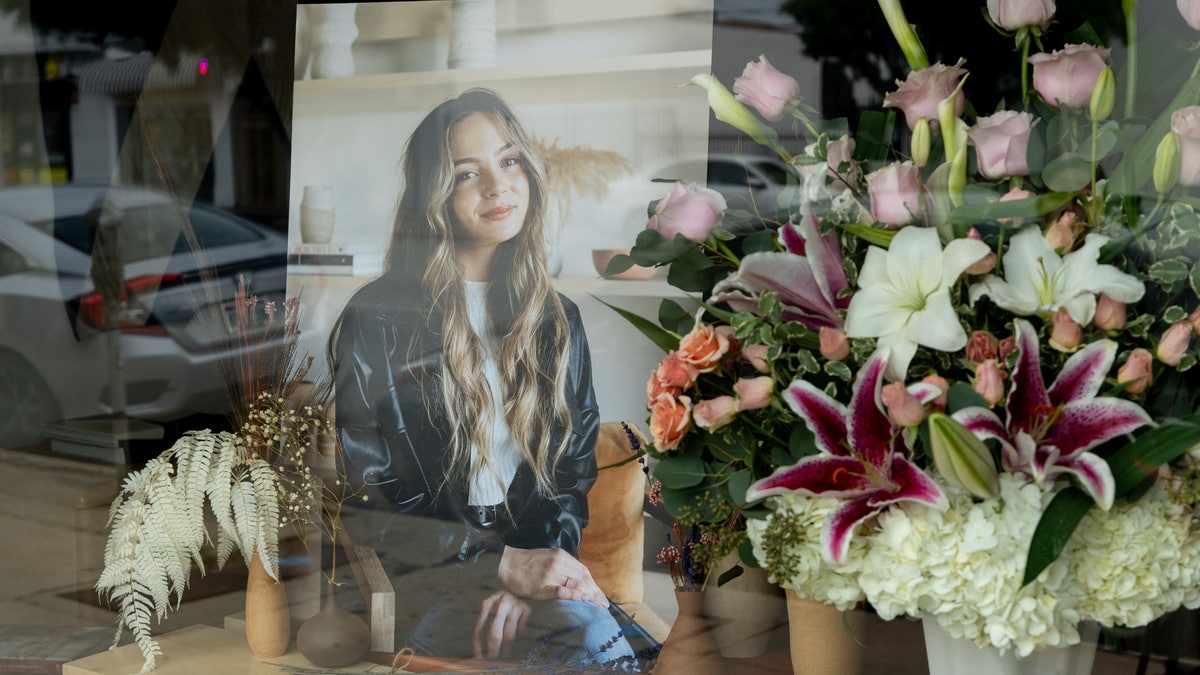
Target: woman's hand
[[502, 616], [548, 573]]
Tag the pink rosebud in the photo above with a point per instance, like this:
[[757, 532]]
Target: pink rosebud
[[1185, 122], [985, 264], [1062, 232], [1067, 76], [834, 345], [1194, 319], [989, 382], [753, 392], [1174, 343], [1110, 314], [1137, 371], [765, 89], [1015, 193], [688, 210], [1007, 345], [1001, 141], [903, 408], [940, 382], [703, 347], [670, 419], [1190, 9], [756, 356], [1013, 15], [895, 192], [714, 413], [981, 346], [920, 93], [1065, 335], [837, 153]]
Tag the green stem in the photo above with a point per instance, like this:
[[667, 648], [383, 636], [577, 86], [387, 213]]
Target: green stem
[[1130, 8], [1025, 70], [1095, 130], [724, 251]]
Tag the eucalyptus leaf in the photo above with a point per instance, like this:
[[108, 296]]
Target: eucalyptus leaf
[[617, 264], [1068, 172], [1030, 207], [680, 471]]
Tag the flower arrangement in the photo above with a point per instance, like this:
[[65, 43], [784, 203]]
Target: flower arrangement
[[949, 375]]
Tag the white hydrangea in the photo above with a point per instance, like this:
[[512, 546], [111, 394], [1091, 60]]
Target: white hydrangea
[[963, 566]]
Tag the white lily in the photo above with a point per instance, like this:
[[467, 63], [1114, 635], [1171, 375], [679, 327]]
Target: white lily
[[904, 295], [1039, 281]]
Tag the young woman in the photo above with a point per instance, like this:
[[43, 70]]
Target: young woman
[[465, 404]]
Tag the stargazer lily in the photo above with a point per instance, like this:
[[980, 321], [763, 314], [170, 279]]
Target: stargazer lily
[[862, 459], [1048, 432], [808, 277]]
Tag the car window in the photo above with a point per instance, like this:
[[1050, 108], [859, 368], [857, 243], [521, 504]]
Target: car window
[[154, 231], [726, 173], [11, 262], [773, 172]]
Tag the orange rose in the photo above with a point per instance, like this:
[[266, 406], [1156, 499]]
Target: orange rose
[[703, 347], [670, 419], [673, 375]]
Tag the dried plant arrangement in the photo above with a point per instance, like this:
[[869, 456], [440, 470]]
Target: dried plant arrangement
[[576, 170]]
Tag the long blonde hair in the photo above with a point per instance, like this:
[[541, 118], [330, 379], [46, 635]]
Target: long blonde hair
[[526, 317]]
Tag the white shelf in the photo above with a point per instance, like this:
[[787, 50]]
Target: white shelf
[[570, 285]]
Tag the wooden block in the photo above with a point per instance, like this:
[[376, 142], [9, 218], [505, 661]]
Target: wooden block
[[379, 595]]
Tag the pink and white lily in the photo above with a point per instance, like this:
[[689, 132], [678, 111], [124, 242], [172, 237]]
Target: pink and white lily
[[862, 460], [1048, 432], [808, 277]]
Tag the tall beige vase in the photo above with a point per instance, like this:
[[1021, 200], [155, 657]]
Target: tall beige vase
[[268, 621], [744, 611], [822, 641], [689, 648]]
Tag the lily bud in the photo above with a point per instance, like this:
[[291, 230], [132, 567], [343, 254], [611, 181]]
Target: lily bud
[[989, 382], [962, 458], [954, 137], [1065, 335], [834, 345], [903, 408], [1166, 163], [733, 112], [914, 52], [1104, 94], [1137, 371], [1110, 314], [921, 142], [1174, 343]]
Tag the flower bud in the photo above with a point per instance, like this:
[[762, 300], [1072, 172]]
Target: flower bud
[[834, 345], [1174, 343], [903, 408], [962, 458], [985, 264], [753, 392], [733, 112], [1166, 163], [1103, 95], [756, 356], [1065, 335], [981, 346], [1137, 371], [921, 142], [1061, 233], [1007, 345], [1194, 319], [714, 413], [989, 382], [1110, 314], [940, 382]]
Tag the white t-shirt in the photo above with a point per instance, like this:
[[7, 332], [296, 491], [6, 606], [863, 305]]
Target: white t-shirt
[[485, 490]]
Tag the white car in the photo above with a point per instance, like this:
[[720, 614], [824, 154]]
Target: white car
[[55, 358]]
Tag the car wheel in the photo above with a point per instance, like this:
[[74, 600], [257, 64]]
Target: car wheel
[[26, 403]]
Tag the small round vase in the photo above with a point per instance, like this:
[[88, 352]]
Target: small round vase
[[333, 637], [690, 647]]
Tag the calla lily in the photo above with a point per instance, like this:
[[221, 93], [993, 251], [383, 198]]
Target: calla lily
[[809, 277], [1039, 281], [735, 113], [904, 296], [861, 460], [1049, 431]]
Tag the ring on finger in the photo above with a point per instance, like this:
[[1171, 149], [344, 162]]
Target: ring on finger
[[566, 582]]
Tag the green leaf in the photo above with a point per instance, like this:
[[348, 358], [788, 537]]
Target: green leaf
[[839, 370], [1141, 458], [672, 314], [873, 141], [1174, 314], [729, 575], [664, 339], [700, 504], [1194, 278], [1169, 273], [738, 483], [617, 264], [871, 235], [651, 248], [1030, 207], [689, 271], [680, 471], [760, 241], [801, 443], [1054, 530], [961, 395], [1068, 172], [1135, 167]]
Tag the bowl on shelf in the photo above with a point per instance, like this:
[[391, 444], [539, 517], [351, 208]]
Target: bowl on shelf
[[602, 256]]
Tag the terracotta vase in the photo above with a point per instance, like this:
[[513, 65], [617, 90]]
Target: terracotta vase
[[690, 647], [268, 623], [822, 640], [333, 637]]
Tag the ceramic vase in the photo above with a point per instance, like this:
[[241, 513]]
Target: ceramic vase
[[948, 655], [333, 637], [744, 611], [472, 34], [317, 214], [690, 647], [822, 639], [268, 623]]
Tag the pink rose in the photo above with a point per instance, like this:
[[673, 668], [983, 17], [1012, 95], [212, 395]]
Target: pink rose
[[670, 419], [1190, 9], [753, 392], [765, 89], [714, 413], [833, 343], [688, 210], [1065, 334], [756, 356], [920, 93], [989, 382], [981, 346], [1067, 76], [1185, 122], [703, 348], [1137, 371], [1174, 343], [985, 264], [1062, 232], [903, 408], [1110, 314], [1016, 14], [1194, 319], [1001, 141], [837, 153], [895, 192], [940, 382]]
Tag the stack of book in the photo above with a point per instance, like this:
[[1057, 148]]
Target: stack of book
[[333, 258], [104, 438]]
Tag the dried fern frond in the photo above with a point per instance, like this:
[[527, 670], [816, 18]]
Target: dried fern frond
[[578, 169]]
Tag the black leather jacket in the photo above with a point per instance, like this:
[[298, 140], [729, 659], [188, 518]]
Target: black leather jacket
[[394, 444]]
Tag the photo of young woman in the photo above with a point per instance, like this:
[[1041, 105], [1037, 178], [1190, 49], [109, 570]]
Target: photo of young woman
[[465, 404]]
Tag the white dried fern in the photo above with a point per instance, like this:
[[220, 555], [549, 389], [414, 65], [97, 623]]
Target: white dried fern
[[157, 527]]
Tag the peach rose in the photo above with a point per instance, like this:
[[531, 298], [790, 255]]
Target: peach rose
[[981, 346], [1062, 232], [1065, 335], [940, 382], [756, 356], [672, 375], [1185, 122], [703, 348], [1110, 314], [670, 419], [1137, 371], [833, 343], [1190, 9], [903, 408], [1012, 15], [714, 413], [1174, 343], [753, 392], [985, 264], [989, 382]]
